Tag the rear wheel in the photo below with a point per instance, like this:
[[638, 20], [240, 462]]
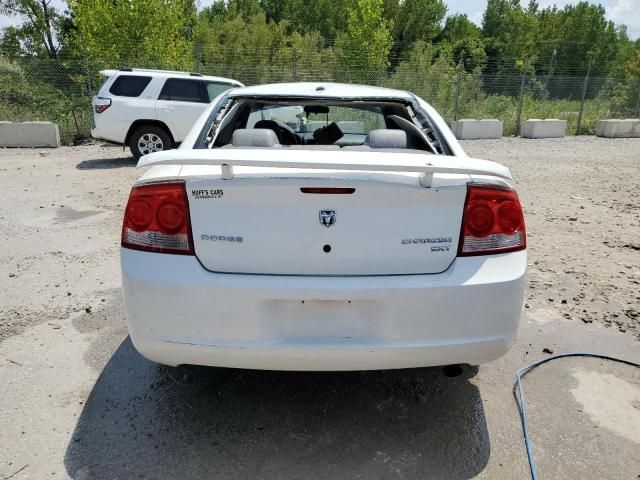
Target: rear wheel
[[148, 139]]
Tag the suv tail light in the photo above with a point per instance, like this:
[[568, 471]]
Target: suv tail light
[[157, 219], [492, 221], [101, 104]]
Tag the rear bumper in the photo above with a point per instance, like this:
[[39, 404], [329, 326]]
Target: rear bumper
[[102, 139], [180, 313], [109, 131]]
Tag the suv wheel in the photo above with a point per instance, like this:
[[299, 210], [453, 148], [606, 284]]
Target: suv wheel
[[148, 139]]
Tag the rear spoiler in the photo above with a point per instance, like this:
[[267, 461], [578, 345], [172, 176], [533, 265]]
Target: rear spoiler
[[355, 160]]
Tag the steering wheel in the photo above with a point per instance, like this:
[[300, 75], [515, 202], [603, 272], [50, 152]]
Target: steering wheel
[[410, 128]]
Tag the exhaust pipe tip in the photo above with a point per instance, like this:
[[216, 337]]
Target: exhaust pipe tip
[[451, 371]]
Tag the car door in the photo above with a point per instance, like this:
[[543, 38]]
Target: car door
[[180, 103]]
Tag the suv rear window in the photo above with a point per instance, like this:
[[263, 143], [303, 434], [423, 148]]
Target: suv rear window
[[129, 85], [214, 89], [183, 90]]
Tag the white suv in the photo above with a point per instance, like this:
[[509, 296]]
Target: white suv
[[152, 110]]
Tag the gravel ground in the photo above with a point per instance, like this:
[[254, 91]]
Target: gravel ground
[[582, 208], [59, 226], [79, 402]]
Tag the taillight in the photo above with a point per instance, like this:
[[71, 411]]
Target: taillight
[[157, 219], [100, 104], [492, 221]]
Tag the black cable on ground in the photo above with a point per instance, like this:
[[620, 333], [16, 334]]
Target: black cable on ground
[[522, 403]]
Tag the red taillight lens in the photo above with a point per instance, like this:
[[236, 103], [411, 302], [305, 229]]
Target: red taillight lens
[[101, 104], [170, 216], [492, 221], [157, 219], [479, 219], [139, 214], [510, 218]]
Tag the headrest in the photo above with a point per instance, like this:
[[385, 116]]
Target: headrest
[[386, 139], [254, 137]]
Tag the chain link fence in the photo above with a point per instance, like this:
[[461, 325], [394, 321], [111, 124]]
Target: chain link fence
[[60, 90]]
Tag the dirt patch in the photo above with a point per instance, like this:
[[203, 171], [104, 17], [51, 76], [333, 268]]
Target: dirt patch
[[68, 214], [611, 402]]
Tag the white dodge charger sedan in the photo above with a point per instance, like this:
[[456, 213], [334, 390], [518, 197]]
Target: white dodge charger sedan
[[320, 226]]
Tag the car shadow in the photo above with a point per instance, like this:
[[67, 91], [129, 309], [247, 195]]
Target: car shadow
[[107, 163], [143, 420]]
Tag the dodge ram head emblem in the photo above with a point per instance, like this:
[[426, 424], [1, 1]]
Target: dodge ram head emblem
[[327, 217]]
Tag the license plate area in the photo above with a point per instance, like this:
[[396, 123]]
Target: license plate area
[[341, 320]]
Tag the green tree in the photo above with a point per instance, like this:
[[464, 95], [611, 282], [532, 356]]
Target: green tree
[[251, 50], [419, 20], [433, 78], [458, 27], [216, 11], [468, 53], [633, 64], [314, 60], [154, 33], [392, 9], [626, 51], [274, 10], [37, 34], [496, 17], [10, 42], [510, 37], [580, 34], [246, 9], [461, 41], [303, 16], [366, 43]]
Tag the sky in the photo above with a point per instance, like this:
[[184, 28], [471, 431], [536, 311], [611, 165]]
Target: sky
[[620, 11]]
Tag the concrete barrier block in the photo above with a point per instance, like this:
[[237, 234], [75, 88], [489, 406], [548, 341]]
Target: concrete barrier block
[[468, 129], [628, 128], [548, 128], [29, 134]]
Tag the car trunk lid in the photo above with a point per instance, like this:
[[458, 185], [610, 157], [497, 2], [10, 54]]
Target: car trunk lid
[[289, 226], [287, 212]]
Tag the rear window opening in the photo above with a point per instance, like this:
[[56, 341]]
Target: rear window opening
[[129, 85], [312, 123]]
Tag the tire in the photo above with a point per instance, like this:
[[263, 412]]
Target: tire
[[148, 139]]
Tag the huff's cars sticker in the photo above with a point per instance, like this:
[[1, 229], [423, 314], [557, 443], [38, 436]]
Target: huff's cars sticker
[[207, 193]]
